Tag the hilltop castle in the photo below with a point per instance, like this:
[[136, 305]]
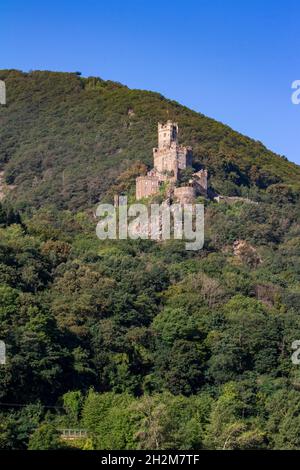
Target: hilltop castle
[[170, 159]]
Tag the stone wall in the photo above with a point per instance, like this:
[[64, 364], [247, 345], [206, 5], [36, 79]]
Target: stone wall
[[184, 157], [172, 158], [165, 160], [185, 194], [234, 199], [146, 186], [201, 182]]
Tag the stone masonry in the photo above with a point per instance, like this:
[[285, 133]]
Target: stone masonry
[[146, 186], [169, 158]]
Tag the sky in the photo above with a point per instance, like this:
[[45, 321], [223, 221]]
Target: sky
[[232, 60]]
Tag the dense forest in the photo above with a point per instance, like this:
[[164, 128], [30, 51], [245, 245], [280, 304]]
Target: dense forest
[[143, 345]]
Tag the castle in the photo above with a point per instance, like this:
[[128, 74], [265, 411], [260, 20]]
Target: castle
[[170, 159]]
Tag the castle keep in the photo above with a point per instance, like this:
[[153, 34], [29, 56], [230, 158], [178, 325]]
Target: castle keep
[[169, 159]]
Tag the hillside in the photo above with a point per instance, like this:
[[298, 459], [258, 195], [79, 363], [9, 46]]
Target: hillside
[[142, 345], [64, 140]]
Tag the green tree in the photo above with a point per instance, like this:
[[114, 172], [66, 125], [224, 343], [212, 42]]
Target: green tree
[[46, 437]]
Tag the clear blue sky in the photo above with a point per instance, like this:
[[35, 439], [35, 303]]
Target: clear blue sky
[[233, 60]]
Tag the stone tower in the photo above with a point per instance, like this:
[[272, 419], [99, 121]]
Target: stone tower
[[167, 134], [169, 156]]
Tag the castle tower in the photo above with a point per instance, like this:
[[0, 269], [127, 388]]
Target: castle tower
[[167, 134], [170, 157]]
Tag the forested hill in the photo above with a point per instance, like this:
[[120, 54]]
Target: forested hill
[[143, 345], [64, 139]]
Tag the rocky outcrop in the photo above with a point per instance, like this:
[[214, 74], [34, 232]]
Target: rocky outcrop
[[246, 253]]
